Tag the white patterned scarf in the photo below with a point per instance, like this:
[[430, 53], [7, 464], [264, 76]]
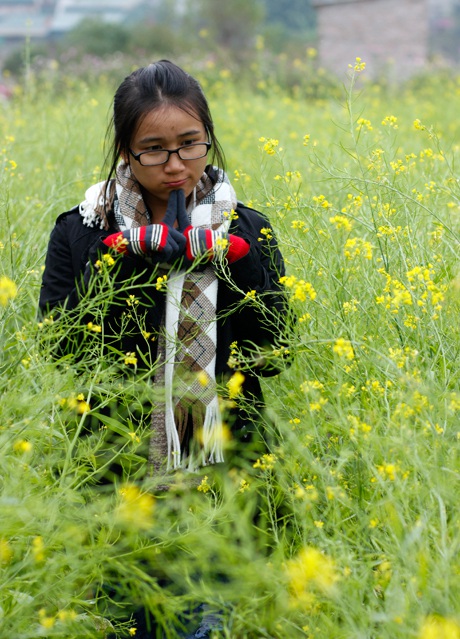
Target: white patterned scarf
[[187, 426]]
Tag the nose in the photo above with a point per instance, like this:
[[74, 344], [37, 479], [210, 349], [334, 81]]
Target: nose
[[174, 163]]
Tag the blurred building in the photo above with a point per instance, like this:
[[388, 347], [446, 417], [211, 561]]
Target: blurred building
[[391, 36], [41, 19], [21, 18]]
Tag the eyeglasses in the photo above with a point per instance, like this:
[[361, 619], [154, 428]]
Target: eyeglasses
[[189, 152]]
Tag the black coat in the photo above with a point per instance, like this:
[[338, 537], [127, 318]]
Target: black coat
[[69, 277]]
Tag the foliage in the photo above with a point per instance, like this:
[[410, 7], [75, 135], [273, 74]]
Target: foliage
[[294, 15], [231, 25], [348, 526]]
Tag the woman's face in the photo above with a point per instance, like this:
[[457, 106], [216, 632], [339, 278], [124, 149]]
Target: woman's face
[[167, 128]]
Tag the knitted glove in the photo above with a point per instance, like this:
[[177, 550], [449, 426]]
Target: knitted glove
[[160, 241], [206, 243], [209, 243]]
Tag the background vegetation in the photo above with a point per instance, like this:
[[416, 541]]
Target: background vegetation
[[349, 527]]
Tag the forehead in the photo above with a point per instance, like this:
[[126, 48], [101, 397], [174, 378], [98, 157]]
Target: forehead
[[166, 122]]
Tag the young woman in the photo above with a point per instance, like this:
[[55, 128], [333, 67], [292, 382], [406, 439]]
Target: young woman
[[201, 268]]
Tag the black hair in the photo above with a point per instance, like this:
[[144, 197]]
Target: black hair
[[147, 89]]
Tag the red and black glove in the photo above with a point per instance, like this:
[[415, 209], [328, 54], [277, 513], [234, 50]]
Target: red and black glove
[[207, 243], [162, 241]]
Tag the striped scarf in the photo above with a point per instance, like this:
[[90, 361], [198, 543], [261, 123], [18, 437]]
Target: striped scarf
[[187, 425]]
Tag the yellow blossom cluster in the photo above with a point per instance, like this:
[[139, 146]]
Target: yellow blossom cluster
[[356, 246], [78, 403], [270, 145], [106, 261], [8, 290], [344, 348], [130, 359], [363, 124], [231, 215], [388, 470], [357, 426], [300, 289], [320, 200], [300, 225], [235, 384], [391, 121], [266, 462], [95, 328], [437, 627], [161, 282], [310, 569], [204, 486], [421, 291], [341, 222], [135, 508], [358, 66]]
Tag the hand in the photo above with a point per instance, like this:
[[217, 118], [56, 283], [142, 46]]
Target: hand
[[207, 243], [160, 241]]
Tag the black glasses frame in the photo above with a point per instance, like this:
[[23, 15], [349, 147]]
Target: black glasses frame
[[137, 156]]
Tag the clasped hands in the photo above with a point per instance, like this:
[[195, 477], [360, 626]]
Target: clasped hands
[[164, 243]]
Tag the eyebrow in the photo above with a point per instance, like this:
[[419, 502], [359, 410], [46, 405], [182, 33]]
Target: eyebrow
[[160, 139]]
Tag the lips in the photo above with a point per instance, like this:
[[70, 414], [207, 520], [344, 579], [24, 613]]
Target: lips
[[175, 185]]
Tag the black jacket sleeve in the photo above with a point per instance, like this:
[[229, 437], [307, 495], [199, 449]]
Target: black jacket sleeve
[[73, 250], [66, 256]]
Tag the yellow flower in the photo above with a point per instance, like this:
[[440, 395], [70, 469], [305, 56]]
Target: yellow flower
[[204, 487], [46, 621], [130, 359], [235, 384], [135, 509], [358, 66], [343, 348], [233, 215], [107, 260], [221, 243], [6, 553], [310, 568], [161, 282], [341, 222], [250, 295], [132, 631], [66, 615], [435, 627], [38, 549], [388, 471], [269, 145], [321, 201], [94, 327], [267, 232], [8, 290], [203, 378], [391, 121], [266, 462], [22, 446], [362, 122], [356, 246], [244, 486]]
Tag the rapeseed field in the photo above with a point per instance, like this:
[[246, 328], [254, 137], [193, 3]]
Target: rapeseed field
[[349, 527]]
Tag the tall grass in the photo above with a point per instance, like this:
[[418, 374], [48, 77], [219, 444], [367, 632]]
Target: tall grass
[[349, 526]]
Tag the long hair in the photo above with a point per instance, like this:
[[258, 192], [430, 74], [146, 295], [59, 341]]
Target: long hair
[[149, 88]]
